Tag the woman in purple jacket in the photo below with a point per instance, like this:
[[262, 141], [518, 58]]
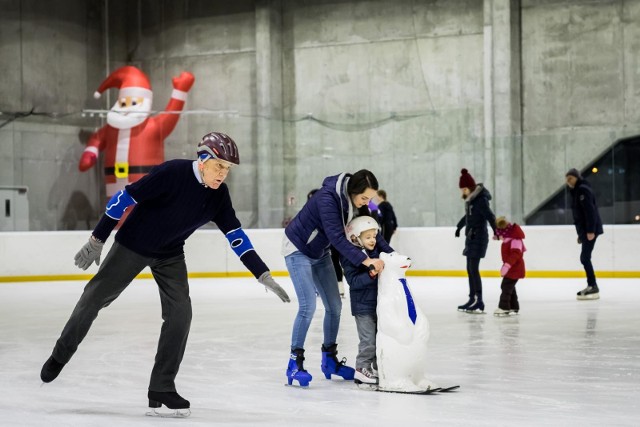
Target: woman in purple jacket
[[319, 224]]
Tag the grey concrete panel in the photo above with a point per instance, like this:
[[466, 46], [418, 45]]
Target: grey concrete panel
[[54, 55], [572, 65], [452, 69], [437, 18], [10, 56], [631, 39], [319, 23], [7, 156]]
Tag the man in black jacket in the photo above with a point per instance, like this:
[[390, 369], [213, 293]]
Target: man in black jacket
[[588, 225]]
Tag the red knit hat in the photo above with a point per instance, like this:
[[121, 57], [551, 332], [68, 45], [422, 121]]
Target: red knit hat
[[466, 180]]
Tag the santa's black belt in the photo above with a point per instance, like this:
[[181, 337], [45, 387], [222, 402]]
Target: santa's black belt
[[131, 170]]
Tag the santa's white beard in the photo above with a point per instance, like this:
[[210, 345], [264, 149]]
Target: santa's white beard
[[128, 117]]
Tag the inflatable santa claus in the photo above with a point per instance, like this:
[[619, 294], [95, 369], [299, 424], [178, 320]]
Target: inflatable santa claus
[[133, 142]]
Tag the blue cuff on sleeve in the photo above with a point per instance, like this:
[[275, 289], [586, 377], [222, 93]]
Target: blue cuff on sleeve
[[239, 241], [118, 204]]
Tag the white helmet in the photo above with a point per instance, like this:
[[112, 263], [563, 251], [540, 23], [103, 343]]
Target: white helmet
[[359, 225]]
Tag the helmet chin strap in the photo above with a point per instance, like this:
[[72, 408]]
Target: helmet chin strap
[[201, 170]]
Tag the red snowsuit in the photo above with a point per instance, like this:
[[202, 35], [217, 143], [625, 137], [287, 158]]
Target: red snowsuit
[[513, 250]]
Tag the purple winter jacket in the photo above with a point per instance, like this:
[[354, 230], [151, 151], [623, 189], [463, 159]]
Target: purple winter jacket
[[322, 220]]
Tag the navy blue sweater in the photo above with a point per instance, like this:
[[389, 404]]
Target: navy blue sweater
[[171, 205], [363, 289]]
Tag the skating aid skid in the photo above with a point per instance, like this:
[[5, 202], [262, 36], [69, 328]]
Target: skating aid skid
[[429, 391]]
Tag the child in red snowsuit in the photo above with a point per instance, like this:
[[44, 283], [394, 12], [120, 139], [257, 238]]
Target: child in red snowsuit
[[513, 268]]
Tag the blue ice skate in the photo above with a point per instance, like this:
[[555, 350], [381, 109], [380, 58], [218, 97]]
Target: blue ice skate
[[331, 366], [296, 371]]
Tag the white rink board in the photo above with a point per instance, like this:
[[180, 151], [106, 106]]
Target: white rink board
[[548, 249]]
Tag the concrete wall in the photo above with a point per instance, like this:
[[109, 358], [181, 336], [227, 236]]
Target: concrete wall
[[551, 252], [357, 63], [50, 59], [516, 91], [581, 82]]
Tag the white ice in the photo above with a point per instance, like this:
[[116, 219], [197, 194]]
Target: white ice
[[561, 362]]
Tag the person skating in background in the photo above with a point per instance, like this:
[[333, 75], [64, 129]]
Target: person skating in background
[[588, 224], [305, 246], [477, 214], [171, 202], [388, 220], [363, 292], [513, 269], [335, 258]]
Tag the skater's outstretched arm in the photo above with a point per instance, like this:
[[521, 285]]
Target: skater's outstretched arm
[[230, 225]]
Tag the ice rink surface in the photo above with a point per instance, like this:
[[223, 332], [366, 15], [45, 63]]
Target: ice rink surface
[[561, 362]]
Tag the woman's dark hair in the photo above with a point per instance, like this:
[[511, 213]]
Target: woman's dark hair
[[360, 181], [311, 193]]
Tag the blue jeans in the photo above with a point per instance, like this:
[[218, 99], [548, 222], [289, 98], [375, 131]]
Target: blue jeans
[[307, 275]]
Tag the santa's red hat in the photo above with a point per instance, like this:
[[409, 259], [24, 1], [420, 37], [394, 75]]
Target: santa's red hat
[[130, 80]]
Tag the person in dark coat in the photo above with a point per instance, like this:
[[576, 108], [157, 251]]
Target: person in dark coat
[[588, 226], [477, 214], [305, 248], [388, 220]]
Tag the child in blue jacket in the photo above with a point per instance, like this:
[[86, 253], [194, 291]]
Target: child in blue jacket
[[363, 290]]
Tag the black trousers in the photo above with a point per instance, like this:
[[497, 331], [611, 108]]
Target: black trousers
[[119, 268], [475, 281], [585, 259], [387, 233], [335, 259], [509, 297]]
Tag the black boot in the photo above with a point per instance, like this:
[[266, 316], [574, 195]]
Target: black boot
[[50, 370], [466, 305], [170, 399]]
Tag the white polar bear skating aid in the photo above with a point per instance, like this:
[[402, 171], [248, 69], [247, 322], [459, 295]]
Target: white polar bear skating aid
[[403, 331]]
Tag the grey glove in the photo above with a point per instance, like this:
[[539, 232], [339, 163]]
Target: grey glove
[[270, 284], [89, 253]]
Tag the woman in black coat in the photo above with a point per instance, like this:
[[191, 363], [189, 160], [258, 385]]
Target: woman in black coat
[[477, 214]]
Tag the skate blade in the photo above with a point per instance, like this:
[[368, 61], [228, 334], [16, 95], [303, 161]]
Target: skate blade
[[588, 297], [475, 312], [292, 385], [367, 387], [175, 413]]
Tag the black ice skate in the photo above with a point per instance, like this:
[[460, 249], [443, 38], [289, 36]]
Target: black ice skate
[[589, 293], [50, 370], [170, 399]]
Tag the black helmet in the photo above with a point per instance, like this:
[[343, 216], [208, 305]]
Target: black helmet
[[216, 145]]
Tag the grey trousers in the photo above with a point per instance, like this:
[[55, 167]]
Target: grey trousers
[[367, 325], [118, 269]]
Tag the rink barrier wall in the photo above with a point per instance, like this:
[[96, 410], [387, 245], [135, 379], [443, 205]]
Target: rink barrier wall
[[552, 252]]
